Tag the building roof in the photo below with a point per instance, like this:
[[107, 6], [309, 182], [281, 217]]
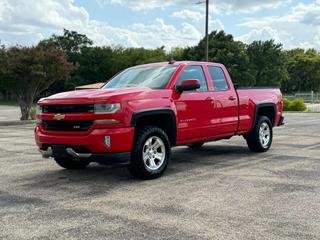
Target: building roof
[[91, 86]]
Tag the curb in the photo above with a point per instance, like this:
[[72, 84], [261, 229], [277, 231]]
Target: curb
[[16, 123]]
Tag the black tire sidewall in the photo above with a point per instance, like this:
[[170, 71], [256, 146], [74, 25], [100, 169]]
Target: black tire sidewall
[[253, 139], [137, 166]]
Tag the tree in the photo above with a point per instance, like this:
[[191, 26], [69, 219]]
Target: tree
[[224, 49], [3, 67], [32, 70], [94, 65], [177, 54], [70, 42], [128, 57], [304, 71], [268, 62]]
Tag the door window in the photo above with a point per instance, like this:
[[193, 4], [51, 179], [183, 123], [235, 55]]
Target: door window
[[194, 72], [218, 78]]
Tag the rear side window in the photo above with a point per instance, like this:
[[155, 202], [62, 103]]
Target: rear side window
[[218, 78], [194, 72]]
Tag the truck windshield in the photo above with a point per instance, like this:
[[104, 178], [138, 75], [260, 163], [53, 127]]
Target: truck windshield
[[152, 77]]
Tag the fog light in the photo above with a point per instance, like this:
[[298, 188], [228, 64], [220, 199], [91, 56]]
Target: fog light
[[107, 141]]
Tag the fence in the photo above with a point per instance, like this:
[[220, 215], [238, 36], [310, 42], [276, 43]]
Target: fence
[[313, 107], [311, 99]]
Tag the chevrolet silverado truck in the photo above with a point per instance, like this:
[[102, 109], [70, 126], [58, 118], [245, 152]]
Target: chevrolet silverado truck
[[148, 109]]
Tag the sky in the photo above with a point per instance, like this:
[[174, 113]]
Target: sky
[[156, 23]]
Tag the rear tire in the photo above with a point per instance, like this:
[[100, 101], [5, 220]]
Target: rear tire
[[71, 164], [196, 145], [260, 137], [150, 153]]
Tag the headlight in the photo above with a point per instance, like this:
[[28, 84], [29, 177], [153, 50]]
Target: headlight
[[38, 109], [106, 108]]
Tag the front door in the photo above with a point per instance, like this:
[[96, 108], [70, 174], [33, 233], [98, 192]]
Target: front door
[[193, 107]]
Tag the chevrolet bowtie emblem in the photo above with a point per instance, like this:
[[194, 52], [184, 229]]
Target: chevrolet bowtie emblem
[[59, 117]]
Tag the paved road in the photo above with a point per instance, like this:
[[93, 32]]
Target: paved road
[[219, 192], [9, 113]]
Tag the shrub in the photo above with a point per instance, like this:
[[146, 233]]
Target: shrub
[[33, 113], [294, 105], [286, 104]]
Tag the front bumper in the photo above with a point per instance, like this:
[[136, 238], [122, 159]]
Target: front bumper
[[64, 151], [121, 140]]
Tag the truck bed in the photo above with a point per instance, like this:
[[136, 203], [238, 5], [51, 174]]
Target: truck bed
[[250, 98]]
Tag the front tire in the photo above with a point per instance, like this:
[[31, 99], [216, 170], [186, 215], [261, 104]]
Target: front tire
[[71, 164], [150, 154], [260, 137]]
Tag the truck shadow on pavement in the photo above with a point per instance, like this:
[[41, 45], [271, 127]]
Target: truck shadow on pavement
[[97, 179]]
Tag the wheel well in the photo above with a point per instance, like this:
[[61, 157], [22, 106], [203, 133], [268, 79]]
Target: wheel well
[[268, 111], [164, 121]]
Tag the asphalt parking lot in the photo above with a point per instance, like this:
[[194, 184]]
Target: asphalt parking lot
[[221, 191]]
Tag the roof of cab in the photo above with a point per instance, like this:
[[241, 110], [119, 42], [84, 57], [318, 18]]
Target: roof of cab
[[176, 63]]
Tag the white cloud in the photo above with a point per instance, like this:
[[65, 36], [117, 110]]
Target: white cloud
[[215, 24], [299, 28], [262, 34], [27, 22], [199, 18], [188, 14], [229, 5]]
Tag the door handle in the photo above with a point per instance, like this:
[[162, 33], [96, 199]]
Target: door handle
[[210, 99], [232, 98]]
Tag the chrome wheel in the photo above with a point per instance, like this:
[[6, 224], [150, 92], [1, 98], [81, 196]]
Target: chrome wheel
[[153, 153], [264, 134]]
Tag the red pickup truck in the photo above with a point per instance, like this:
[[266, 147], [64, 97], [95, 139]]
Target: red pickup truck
[[145, 110]]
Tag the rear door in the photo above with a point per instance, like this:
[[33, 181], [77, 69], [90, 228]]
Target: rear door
[[193, 107], [225, 114]]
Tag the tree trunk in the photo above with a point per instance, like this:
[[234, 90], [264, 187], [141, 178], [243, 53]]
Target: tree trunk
[[25, 107]]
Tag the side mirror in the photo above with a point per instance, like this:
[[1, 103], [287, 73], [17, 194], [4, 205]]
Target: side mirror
[[188, 85]]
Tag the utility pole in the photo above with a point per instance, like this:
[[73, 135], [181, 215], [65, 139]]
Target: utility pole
[[207, 32], [206, 49]]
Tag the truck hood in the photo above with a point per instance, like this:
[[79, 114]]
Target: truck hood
[[96, 94]]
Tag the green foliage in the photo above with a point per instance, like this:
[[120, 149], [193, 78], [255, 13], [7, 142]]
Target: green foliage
[[296, 104], [177, 54], [261, 63], [99, 64], [128, 57], [286, 104], [31, 70], [33, 113], [268, 63], [304, 71], [224, 49], [70, 42]]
